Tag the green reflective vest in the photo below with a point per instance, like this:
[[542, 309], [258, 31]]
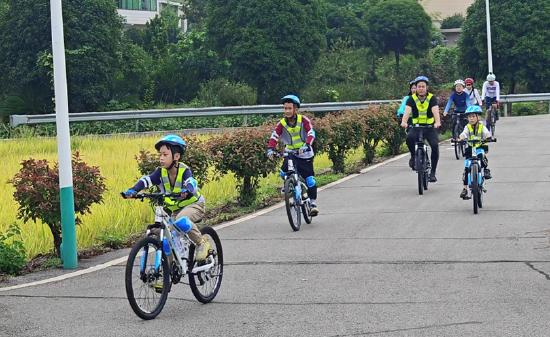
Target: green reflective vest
[[173, 204], [422, 107], [295, 133]]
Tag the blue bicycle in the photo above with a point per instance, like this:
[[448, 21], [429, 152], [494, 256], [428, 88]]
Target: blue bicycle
[[163, 257], [476, 180]]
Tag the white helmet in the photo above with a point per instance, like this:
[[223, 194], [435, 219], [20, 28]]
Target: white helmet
[[491, 77], [461, 82]]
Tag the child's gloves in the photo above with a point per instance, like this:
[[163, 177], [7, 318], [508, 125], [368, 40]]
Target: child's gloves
[[129, 193], [270, 153], [304, 149]]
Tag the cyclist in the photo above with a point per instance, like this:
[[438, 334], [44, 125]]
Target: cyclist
[[412, 90], [461, 101], [491, 94], [174, 176], [474, 130], [296, 132], [423, 108], [473, 93]]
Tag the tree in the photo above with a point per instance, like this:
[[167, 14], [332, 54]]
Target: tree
[[270, 45], [92, 40], [401, 27], [453, 21], [520, 34], [161, 32], [345, 21]]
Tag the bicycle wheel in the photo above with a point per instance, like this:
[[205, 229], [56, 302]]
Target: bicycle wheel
[[146, 288], [206, 284], [306, 206], [420, 170], [458, 146], [292, 205], [475, 186]]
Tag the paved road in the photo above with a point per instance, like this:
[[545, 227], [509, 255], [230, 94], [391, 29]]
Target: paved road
[[380, 260]]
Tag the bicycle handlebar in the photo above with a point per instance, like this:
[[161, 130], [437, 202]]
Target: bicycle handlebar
[[480, 141]]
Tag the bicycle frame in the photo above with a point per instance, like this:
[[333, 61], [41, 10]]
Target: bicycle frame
[[420, 142], [292, 172], [166, 224], [474, 160]]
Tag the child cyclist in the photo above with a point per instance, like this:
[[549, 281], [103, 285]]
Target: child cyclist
[[461, 102], [296, 132], [474, 130], [174, 176]]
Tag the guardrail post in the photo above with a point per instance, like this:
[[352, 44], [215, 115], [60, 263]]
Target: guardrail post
[[506, 109], [549, 107]]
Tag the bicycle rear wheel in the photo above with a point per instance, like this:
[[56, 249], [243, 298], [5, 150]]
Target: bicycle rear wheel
[[458, 146], [420, 170], [475, 186], [146, 288], [206, 284], [293, 208]]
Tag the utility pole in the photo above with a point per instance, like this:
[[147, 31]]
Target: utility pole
[[489, 48], [66, 195]]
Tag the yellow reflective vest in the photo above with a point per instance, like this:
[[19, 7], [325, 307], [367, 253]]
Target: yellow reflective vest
[[174, 204], [295, 133], [422, 107]]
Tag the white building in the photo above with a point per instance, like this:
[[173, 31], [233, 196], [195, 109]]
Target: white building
[[139, 12]]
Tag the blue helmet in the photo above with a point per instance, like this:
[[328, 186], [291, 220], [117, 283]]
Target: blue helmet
[[421, 79], [474, 109], [292, 99], [176, 143]]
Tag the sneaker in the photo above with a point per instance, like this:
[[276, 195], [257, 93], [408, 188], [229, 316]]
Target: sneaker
[[158, 286], [314, 211], [464, 194], [411, 163], [432, 179], [487, 174], [202, 250]]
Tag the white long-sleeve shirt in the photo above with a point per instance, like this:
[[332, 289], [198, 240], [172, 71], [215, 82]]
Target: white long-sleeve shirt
[[491, 90], [473, 96]]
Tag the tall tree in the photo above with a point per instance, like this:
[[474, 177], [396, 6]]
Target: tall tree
[[401, 27], [270, 45], [520, 34], [345, 21], [92, 41]]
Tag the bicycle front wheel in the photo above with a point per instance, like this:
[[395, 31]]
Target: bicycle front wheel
[[475, 187], [206, 284], [293, 208], [147, 278], [420, 170], [458, 146]]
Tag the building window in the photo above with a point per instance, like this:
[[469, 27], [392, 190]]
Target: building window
[[140, 5]]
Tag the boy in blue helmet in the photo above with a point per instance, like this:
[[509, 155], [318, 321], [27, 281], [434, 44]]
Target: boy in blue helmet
[[474, 130], [174, 176], [296, 132]]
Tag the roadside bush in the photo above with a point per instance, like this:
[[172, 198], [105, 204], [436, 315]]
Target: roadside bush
[[376, 123], [12, 251], [37, 192], [243, 153], [343, 132], [531, 108]]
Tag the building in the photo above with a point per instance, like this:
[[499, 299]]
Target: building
[[441, 9], [139, 12]]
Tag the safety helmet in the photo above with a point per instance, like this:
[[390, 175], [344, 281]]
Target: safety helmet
[[474, 109], [292, 99], [469, 81], [461, 82], [491, 77], [174, 142], [411, 83], [421, 79]]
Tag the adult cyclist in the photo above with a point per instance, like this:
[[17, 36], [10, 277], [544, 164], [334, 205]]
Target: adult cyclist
[[473, 93], [424, 110], [461, 101], [491, 94]]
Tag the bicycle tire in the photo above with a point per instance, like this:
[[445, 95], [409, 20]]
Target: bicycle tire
[[420, 170], [475, 187], [211, 279], [148, 284], [292, 211], [458, 146]]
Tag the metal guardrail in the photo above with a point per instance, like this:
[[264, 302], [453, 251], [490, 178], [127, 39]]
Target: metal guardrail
[[16, 120]]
